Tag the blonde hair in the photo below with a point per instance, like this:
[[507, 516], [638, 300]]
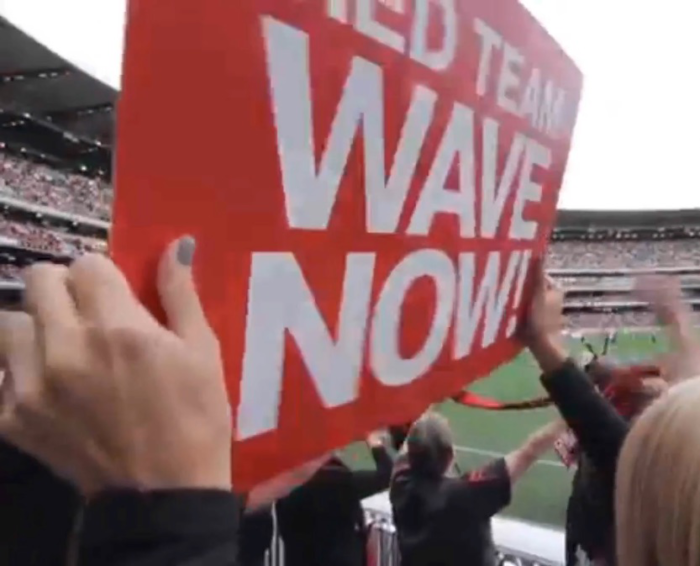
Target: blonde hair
[[657, 491]]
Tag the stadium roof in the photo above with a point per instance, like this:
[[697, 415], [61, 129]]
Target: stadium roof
[[51, 107]]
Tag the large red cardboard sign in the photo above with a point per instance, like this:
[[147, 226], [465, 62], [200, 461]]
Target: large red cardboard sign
[[368, 181]]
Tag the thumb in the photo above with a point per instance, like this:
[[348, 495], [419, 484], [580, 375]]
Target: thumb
[[178, 293]]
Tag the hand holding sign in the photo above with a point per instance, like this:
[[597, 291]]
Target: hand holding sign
[[89, 353], [368, 185], [547, 304]]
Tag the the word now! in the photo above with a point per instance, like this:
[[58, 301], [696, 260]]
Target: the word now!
[[281, 304]]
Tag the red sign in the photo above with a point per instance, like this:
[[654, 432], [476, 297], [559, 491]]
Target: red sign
[[368, 182]]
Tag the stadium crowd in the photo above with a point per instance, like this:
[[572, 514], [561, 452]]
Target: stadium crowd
[[623, 319], [39, 184], [93, 470], [24, 180], [116, 428], [84, 482], [623, 254], [34, 183]]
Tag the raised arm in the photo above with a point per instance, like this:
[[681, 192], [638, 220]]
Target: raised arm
[[597, 426], [600, 430], [665, 299], [521, 459], [370, 482], [486, 491]]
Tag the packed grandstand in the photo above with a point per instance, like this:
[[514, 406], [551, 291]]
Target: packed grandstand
[[48, 211], [56, 133]]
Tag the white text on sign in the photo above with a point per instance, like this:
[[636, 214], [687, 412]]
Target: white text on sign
[[281, 303], [531, 96]]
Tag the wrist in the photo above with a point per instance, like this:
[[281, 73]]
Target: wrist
[[548, 352]]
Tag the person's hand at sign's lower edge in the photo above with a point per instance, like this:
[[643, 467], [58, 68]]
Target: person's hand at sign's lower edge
[[132, 413]]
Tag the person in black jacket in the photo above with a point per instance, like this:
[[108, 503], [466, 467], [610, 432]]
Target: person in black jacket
[[322, 521], [446, 521], [589, 523], [599, 428]]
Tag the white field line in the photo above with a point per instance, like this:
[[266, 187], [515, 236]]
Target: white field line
[[469, 450]]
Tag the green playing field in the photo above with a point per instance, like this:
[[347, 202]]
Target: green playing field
[[480, 435]]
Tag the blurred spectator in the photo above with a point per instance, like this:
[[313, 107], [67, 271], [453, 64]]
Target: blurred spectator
[[46, 239]]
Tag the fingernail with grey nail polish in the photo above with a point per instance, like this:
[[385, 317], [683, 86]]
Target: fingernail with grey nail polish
[[185, 250]]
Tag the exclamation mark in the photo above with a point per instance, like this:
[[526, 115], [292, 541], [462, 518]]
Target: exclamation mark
[[524, 265], [338, 9]]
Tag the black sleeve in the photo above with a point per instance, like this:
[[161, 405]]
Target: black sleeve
[[160, 528], [255, 535], [599, 429], [398, 434], [370, 482], [365, 483], [481, 493], [37, 511]]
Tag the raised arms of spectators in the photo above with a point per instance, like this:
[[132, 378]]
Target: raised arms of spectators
[[365, 482], [521, 460]]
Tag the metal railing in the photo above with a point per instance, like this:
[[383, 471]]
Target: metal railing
[[382, 547]]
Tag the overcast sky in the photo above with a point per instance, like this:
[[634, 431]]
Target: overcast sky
[[636, 142]]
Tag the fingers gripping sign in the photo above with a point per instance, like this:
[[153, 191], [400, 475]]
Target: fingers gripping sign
[[88, 357], [103, 296], [179, 297]]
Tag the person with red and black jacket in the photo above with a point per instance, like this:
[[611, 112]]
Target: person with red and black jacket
[[446, 521], [589, 521], [322, 521]]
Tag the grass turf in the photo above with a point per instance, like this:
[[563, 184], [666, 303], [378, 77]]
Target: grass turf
[[480, 435]]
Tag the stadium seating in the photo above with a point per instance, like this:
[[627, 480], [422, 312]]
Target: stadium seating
[[46, 211]]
